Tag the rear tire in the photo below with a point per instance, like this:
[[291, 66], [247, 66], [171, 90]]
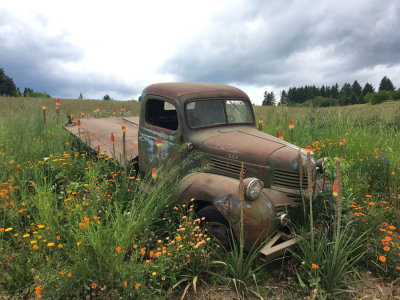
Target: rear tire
[[216, 225]]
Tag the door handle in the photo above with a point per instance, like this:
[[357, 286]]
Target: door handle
[[141, 138]]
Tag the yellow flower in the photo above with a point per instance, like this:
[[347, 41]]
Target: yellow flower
[[60, 246], [78, 243], [50, 244], [40, 226], [154, 273], [26, 235], [8, 229], [33, 242]]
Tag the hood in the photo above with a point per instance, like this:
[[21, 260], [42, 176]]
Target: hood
[[243, 144]]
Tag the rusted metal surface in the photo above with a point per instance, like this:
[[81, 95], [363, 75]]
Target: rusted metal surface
[[225, 145], [96, 133], [223, 193], [193, 90]]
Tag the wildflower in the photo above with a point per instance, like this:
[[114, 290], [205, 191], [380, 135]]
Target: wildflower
[[26, 235], [371, 203], [159, 143], [386, 248], [335, 188], [21, 211], [1, 229], [60, 246], [114, 112], [151, 253], [154, 273], [368, 196], [315, 266], [35, 247], [33, 242], [94, 285], [154, 173], [308, 149], [123, 128], [69, 274], [382, 258], [50, 244], [397, 267], [78, 243], [392, 227], [78, 123], [137, 286], [8, 229], [118, 249], [291, 124], [342, 142], [280, 135], [38, 289], [112, 138], [86, 219], [143, 251]]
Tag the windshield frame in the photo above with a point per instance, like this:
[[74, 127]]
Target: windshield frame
[[224, 100]]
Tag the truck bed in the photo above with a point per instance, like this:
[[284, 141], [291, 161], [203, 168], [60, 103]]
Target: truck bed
[[96, 134]]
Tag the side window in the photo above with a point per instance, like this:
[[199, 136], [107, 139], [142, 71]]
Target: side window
[[162, 114]]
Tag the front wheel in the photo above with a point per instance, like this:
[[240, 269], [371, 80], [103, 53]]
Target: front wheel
[[216, 225]]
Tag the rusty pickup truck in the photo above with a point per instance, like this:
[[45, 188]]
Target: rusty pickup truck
[[218, 121]]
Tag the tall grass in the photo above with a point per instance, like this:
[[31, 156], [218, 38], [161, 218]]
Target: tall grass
[[76, 225]]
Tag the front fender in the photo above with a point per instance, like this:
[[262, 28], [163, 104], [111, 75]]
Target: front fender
[[223, 193]]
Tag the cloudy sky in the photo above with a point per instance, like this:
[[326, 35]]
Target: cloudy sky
[[118, 47]]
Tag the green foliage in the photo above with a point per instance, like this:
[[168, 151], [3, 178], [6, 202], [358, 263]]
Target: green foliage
[[28, 92], [269, 99], [322, 102], [107, 97], [396, 95], [380, 97], [7, 85], [386, 85], [325, 262], [80, 96]]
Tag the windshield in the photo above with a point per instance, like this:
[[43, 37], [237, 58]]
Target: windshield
[[204, 113]]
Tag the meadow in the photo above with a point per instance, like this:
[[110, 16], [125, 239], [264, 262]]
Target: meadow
[[78, 225]]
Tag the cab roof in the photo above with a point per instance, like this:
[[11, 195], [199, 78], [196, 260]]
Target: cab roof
[[184, 91]]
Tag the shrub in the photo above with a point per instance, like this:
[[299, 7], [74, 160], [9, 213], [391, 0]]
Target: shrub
[[380, 97]]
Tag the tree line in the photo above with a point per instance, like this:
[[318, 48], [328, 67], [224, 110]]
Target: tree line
[[348, 94], [8, 88]]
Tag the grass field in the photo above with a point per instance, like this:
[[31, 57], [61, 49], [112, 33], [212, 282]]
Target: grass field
[[73, 225]]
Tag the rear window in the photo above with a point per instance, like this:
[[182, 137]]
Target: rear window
[[161, 114]]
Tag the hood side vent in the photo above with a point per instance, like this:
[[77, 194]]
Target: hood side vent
[[226, 167]]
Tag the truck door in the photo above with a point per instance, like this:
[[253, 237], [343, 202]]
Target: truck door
[[159, 119]]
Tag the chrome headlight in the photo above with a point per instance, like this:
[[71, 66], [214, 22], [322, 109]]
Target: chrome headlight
[[253, 189]]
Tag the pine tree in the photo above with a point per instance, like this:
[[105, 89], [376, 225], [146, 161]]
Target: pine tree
[[368, 88], [386, 85], [7, 85], [269, 99], [356, 91]]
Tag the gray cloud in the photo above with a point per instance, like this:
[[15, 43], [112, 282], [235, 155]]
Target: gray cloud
[[35, 58], [281, 43]]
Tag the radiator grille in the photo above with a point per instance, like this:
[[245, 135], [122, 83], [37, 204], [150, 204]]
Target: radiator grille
[[289, 179], [226, 167]]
